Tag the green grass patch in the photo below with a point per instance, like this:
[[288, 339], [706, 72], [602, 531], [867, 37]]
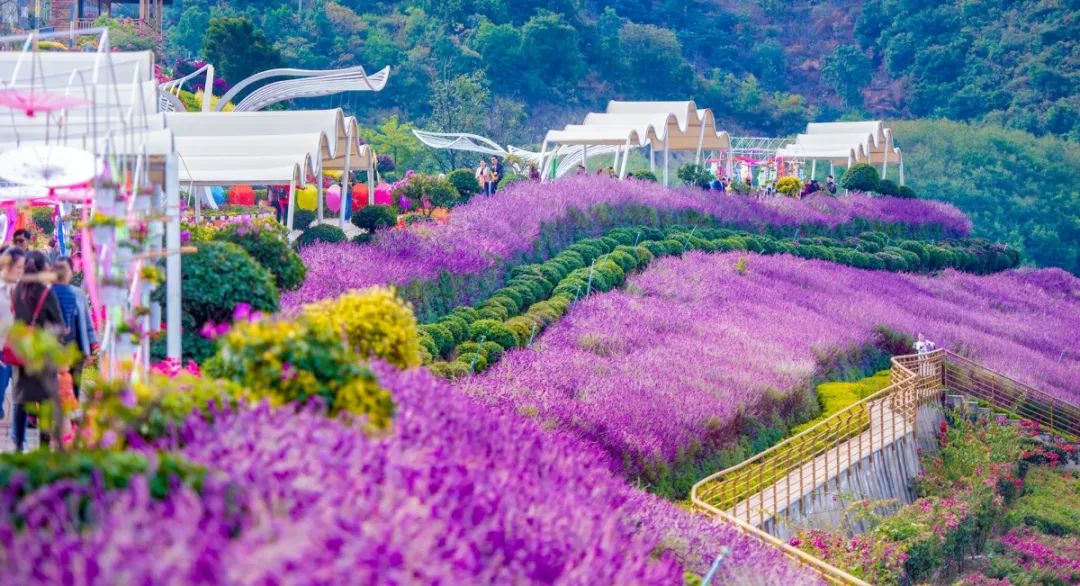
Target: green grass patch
[[1050, 503], [836, 396]]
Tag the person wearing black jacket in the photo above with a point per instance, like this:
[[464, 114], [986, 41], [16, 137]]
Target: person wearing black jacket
[[36, 305], [497, 171]]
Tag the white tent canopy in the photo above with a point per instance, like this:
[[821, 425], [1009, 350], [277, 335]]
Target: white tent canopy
[[847, 143], [669, 126]]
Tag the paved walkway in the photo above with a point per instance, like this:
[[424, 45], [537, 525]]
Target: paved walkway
[[886, 427]]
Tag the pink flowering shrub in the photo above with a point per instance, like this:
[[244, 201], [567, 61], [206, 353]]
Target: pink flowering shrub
[[869, 557], [171, 368]]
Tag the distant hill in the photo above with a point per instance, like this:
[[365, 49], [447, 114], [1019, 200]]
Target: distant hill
[[767, 66]]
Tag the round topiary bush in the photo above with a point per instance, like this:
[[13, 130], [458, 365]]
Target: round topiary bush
[[440, 192], [320, 233], [492, 331], [464, 181], [216, 279], [860, 177], [905, 192], [373, 217], [270, 248], [789, 186], [888, 187], [302, 219]]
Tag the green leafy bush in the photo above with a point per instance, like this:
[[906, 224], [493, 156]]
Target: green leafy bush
[[464, 181], [905, 192], [215, 280], [860, 177], [1051, 502], [271, 249], [492, 331], [644, 175], [302, 219], [440, 192], [373, 217], [888, 187], [320, 233], [694, 174]]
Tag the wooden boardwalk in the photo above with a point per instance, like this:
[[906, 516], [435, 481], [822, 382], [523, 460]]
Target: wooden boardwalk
[[886, 427]]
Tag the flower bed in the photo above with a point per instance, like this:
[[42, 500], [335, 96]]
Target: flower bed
[[456, 493], [618, 369], [522, 224]]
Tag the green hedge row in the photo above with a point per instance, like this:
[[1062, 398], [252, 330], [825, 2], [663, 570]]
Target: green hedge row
[[471, 339]]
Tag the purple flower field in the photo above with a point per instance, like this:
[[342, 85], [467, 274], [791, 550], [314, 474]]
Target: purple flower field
[[649, 371], [456, 493], [491, 230]]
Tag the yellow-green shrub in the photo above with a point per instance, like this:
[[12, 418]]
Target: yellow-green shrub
[[376, 323]]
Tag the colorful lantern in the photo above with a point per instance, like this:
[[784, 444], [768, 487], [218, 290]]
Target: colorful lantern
[[242, 195], [307, 198], [333, 198]]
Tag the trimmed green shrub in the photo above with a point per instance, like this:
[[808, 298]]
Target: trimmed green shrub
[[440, 192], [320, 233], [888, 187], [493, 351], [459, 330], [494, 331], [860, 177], [302, 219], [905, 192], [207, 297], [373, 217], [272, 251], [464, 181], [441, 335], [363, 238], [644, 175]]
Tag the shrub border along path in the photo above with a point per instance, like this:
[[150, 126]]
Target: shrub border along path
[[537, 295]]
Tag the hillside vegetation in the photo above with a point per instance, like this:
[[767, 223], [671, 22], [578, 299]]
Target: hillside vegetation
[[1016, 188]]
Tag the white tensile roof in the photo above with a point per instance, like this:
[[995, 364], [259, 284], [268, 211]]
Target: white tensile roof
[[682, 124], [844, 143]]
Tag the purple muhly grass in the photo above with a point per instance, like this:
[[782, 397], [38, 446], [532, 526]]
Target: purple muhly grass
[[492, 230], [652, 370], [456, 493]]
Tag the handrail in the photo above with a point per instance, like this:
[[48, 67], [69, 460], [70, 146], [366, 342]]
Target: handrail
[[917, 379]]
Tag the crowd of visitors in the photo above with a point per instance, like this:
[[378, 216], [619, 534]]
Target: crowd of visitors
[[36, 290]]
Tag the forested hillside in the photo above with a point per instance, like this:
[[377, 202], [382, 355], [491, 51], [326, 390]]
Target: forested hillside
[[767, 65], [511, 69]]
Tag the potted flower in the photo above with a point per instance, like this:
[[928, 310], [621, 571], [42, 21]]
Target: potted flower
[[105, 194], [144, 198], [151, 276], [113, 291], [102, 227]]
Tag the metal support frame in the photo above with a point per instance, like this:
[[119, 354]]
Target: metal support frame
[[346, 185], [626, 155], [292, 205], [667, 159], [173, 274]]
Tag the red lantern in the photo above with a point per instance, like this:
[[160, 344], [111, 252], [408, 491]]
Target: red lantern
[[359, 195]]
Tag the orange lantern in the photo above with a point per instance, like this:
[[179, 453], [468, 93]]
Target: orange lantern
[[359, 195]]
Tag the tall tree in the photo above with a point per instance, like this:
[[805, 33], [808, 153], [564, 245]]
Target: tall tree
[[236, 49], [459, 105], [848, 70]]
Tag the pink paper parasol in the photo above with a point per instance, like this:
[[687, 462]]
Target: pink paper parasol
[[31, 101]]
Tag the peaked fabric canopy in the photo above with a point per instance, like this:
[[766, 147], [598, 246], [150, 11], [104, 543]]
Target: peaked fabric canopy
[[847, 143], [666, 126]]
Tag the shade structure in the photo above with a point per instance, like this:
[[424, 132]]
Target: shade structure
[[847, 143], [662, 126]]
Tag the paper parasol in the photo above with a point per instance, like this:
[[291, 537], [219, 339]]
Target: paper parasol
[[47, 166], [31, 101]]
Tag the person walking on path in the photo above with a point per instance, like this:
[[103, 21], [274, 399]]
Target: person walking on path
[[76, 312], [12, 261], [496, 173], [36, 306], [483, 177]]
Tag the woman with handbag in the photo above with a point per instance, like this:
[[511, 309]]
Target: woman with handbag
[[36, 306], [12, 261]]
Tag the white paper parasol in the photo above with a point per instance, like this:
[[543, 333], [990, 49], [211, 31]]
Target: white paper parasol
[[47, 166]]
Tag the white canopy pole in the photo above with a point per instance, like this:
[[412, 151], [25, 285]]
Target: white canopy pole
[[901, 169], [832, 169], [292, 204], [667, 157], [319, 188], [173, 275], [813, 169], [626, 155], [585, 158], [615, 160], [372, 165], [885, 162], [700, 142], [346, 186], [540, 162], [652, 159]]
